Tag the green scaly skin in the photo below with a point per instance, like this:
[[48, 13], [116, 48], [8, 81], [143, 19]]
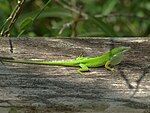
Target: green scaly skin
[[113, 57]]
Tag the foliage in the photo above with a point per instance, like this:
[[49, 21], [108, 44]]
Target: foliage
[[83, 18]]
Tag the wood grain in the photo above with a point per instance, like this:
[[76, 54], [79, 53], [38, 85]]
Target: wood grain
[[58, 88]]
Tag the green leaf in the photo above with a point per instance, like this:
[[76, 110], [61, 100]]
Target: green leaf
[[53, 12], [26, 23], [109, 6], [105, 27]]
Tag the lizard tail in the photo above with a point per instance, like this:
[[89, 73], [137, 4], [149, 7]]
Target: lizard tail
[[69, 63]]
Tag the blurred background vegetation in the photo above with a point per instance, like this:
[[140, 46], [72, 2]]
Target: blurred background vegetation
[[82, 18]]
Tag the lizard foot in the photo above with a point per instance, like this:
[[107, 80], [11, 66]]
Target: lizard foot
[[78, 71]]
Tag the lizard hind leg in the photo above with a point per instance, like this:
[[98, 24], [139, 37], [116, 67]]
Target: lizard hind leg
[[83, 68]]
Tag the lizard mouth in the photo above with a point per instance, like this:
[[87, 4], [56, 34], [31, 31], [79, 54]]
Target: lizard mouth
[[126, 49]]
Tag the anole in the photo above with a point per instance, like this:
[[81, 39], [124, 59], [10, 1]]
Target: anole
[[112, 58]]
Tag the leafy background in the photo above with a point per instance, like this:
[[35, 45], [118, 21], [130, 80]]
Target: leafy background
[[84, 18]]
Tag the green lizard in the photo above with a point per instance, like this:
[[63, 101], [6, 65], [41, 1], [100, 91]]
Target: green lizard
[[113, 58]]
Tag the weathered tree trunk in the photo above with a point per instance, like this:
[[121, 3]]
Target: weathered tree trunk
[[57, 88]]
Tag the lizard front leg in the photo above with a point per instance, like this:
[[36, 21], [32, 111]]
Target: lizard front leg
[[83, 68], [108, 67]]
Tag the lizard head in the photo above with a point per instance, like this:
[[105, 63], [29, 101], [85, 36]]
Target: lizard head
[[119, 50]]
